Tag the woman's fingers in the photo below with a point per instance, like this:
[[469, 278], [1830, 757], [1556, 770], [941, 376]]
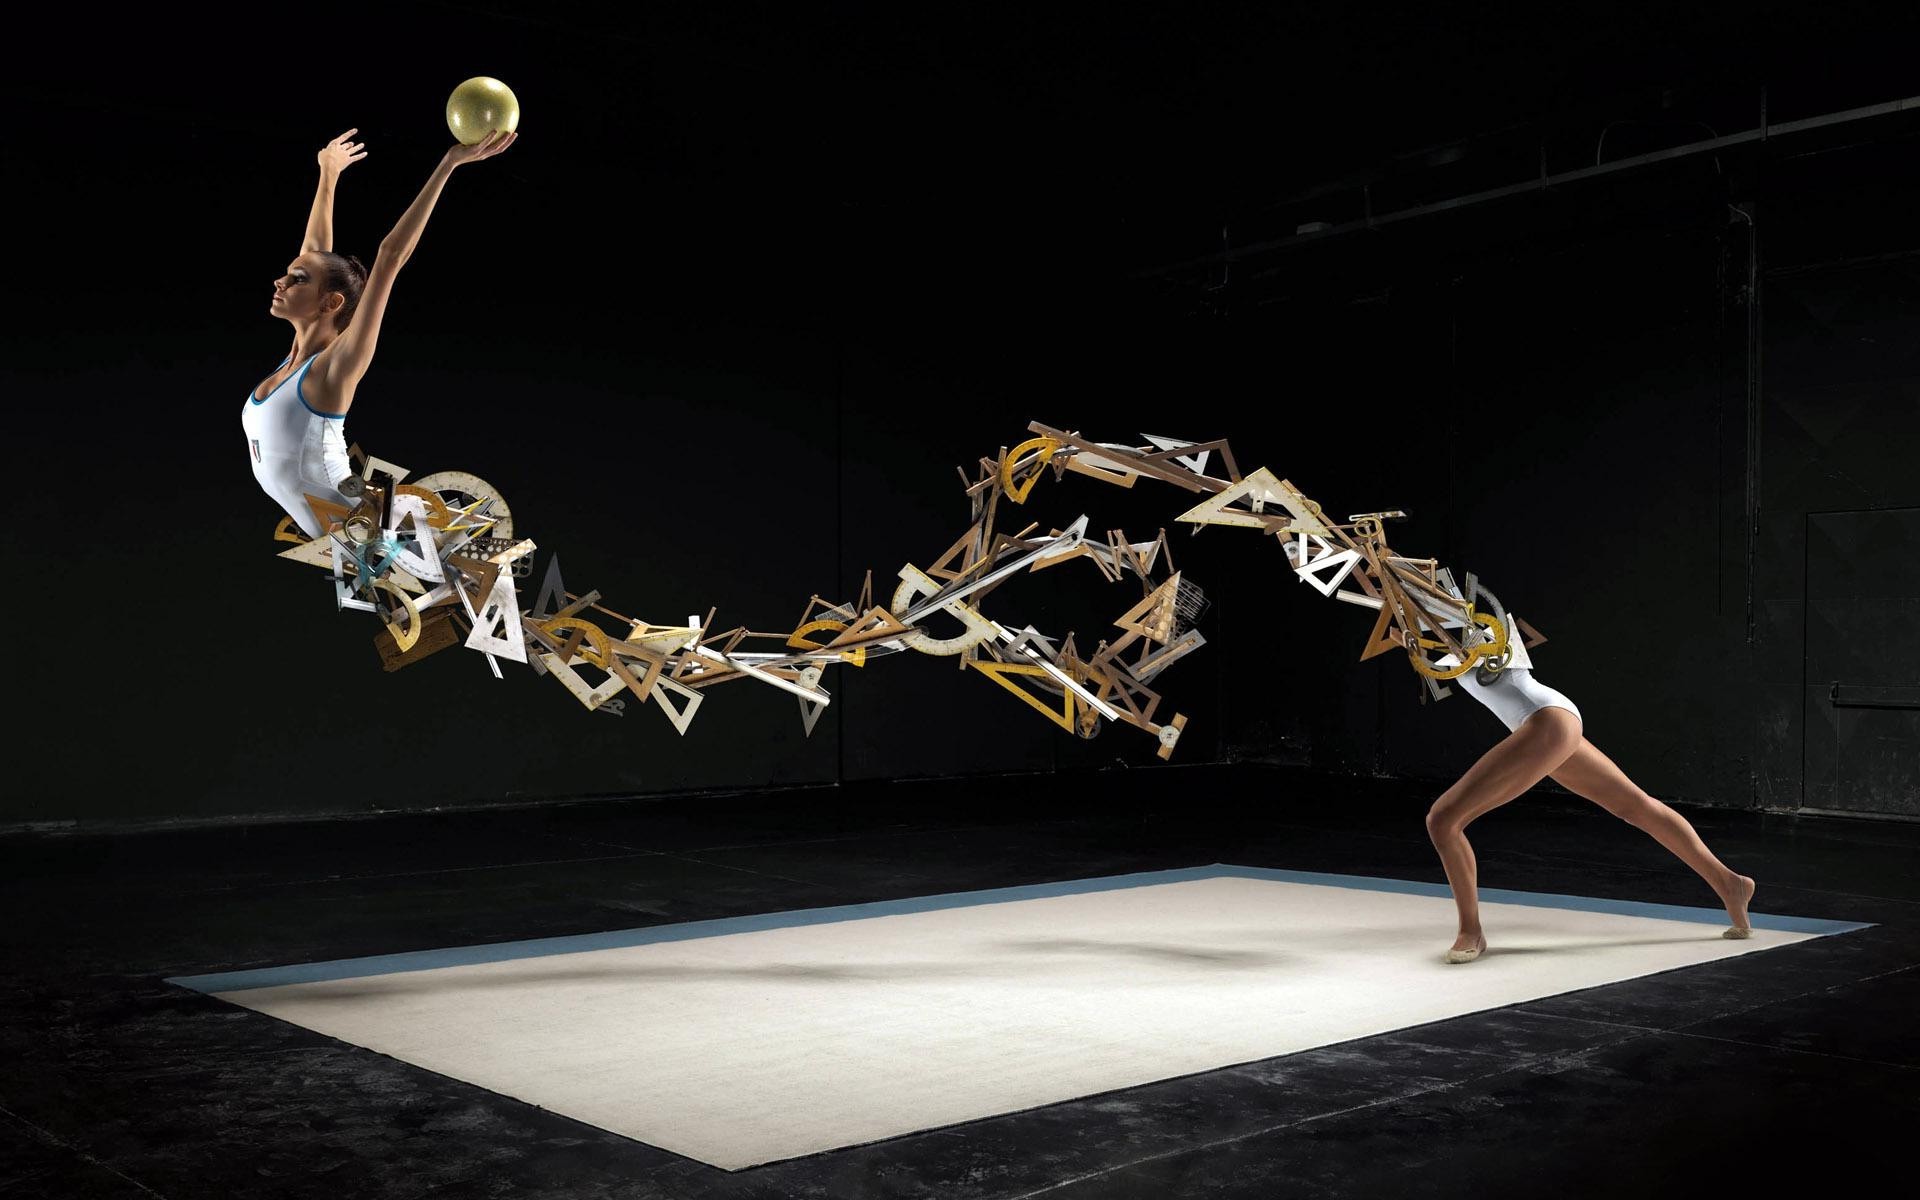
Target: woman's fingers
[[342, 151], [493, 143]]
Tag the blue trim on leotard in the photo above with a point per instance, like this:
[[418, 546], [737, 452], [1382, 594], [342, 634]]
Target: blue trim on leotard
[[300, 386], [276, 387]]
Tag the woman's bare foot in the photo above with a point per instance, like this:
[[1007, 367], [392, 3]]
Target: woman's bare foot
[[1467, 947], [1739, 891]]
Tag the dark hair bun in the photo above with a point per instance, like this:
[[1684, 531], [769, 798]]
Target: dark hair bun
[[359, 267]]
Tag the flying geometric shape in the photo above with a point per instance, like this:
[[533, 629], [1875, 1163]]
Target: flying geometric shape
[[1154, 616], [1003, 673], [915, 584], [437, 635], [496, 626], [1192, 462], [1341, 562], [1258, 489], [587, 694], [468, 484], [682, 716], [798, 640], [1044, 448]]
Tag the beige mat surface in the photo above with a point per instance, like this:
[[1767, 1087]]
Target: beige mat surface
[[738, 1048]]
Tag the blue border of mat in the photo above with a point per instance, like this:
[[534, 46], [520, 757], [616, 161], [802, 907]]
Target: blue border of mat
[[460, 956]]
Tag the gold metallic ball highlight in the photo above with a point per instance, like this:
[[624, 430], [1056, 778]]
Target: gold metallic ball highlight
[[479, 106]]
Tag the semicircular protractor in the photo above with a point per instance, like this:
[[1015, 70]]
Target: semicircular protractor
[[438, 514], [407, 636], [598, 650], [798, 640], [1044, 447], [1496, 648], [461, 488]]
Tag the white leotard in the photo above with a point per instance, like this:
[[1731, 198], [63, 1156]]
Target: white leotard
[[295, 450], [1514, 695]]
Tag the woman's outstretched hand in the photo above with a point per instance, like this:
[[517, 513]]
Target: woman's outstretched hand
[[340, 153], [486, 147]]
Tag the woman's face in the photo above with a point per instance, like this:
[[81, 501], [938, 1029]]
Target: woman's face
[[297, 295]]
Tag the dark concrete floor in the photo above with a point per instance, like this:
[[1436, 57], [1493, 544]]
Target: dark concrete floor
[[1734, 1075]]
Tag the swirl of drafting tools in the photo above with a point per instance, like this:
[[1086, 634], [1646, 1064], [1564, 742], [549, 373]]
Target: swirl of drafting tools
[[438, 561], [1422, 610]]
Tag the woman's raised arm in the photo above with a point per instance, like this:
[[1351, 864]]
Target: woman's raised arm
[[335, 157], [353, 351]]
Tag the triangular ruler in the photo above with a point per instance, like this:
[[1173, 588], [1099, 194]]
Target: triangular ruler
[[1328, 560], [475, 573], [810, 710], [553, 592], [1153, 617], [1382, 638], [1195, 463], [316, 552], [326, 512], [1002, 673], [1258, 490], [588, 695], [682, 716], [421, 558], [943, 567], [640, 685], [496, 626]]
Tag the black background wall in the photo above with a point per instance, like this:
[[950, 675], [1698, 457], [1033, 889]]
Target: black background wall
[[751, 285]]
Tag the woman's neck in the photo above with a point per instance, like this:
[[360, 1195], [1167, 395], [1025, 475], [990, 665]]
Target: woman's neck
[[311, 340]]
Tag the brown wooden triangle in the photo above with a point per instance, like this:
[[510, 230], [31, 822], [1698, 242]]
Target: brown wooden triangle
[[1153, 616], [1386, 634], [1004, 673], [640, 685], [875, 625], [477, 571], [943, 567], [326, 512]]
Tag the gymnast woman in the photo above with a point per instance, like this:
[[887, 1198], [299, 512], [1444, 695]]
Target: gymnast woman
[[294, 420], [1548, 741]]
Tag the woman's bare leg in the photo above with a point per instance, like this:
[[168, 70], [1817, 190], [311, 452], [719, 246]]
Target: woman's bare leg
[[1591, 774], [1524, 758]]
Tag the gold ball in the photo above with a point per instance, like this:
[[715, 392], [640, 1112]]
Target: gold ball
[[479, 106]]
